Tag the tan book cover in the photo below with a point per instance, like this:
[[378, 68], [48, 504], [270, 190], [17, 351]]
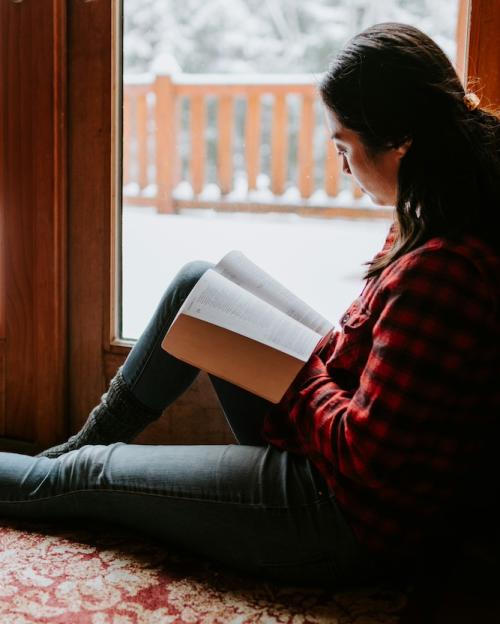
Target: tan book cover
[[240, 324]]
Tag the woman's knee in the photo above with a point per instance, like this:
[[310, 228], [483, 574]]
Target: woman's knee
[[189, 274]]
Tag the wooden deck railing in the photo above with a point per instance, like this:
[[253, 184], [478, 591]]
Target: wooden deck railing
[[155, 119]]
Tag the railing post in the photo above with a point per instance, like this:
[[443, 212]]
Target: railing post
[[225, 123], [165, 132], [332, 170], [197, 126], [305, 155], [252, 139], [279, 144], [357, 193]]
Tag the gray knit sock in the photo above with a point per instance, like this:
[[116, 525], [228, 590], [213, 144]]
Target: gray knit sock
[[119, 417]]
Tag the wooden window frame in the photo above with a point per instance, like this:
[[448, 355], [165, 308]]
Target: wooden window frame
[[95, 351], [61, 185]]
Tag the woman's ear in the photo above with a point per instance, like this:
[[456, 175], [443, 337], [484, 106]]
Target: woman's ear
[[404, 147]]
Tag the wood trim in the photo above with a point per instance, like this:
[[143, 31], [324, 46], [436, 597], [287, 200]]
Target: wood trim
[[127, 133], [111, 326], [3, 149], [462, 37], [484, 51], [33, 206], [2, 387], [142, 139], [91, 175]]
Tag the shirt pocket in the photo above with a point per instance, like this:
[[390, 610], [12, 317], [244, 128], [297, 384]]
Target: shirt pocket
[[356, 316], [355, 341], [355, 322]]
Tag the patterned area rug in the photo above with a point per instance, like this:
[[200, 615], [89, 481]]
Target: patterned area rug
[[108, 575]]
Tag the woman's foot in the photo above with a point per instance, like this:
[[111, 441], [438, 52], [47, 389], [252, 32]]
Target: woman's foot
[[119, 417]]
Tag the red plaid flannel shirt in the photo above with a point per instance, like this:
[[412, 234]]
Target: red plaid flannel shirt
[[395, 410]]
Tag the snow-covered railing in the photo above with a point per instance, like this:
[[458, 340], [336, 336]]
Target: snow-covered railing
[[170, 142]]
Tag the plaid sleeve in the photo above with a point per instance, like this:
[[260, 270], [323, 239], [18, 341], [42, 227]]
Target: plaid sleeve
[[429, 339]]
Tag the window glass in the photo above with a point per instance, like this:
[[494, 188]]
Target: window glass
[[225, 145]]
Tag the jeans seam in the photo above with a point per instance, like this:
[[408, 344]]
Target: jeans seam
[[174, 496]]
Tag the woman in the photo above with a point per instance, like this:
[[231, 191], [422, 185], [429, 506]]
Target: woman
[[372, 457]]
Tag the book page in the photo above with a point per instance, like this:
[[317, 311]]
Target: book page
[[242, 271], [219, 301]]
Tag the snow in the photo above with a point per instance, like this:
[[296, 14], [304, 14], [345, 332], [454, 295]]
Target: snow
[[165, 64], [262, 195], [246, 79], [321, 260], [183, 190], [139, 79], [211, 192]]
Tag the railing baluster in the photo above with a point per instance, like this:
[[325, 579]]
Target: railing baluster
[[305, 148], [357, 193], [461, 37], [170, 91], [166, 123], [225, 123], [279, 144], [142, 139], [252, 139], [332, 170], [197, 124]]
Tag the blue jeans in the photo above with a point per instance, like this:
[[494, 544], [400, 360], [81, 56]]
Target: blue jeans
[[249, 506]]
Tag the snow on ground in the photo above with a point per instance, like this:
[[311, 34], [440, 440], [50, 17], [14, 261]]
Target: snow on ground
[[321, 260]]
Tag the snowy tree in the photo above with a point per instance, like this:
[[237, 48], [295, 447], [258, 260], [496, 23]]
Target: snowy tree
[[256, 36]]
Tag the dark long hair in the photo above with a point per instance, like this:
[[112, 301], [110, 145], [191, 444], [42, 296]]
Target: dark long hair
[[392, 83]]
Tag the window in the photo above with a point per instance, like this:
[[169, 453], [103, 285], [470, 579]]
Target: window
[[225, 145]]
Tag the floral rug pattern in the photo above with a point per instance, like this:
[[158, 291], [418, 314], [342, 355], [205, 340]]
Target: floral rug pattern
[[107, 575]]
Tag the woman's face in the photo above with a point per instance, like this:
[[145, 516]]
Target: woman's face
[[376, 175]]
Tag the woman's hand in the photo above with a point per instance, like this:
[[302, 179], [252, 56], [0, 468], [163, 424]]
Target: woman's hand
[[323, 343]]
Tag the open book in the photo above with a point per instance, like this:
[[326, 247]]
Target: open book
[[242, 325]]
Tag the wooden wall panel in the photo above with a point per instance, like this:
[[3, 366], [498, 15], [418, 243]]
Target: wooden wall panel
[[483, 55], [33, 209]]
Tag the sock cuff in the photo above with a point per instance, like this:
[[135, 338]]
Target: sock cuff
[[119, 395]]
